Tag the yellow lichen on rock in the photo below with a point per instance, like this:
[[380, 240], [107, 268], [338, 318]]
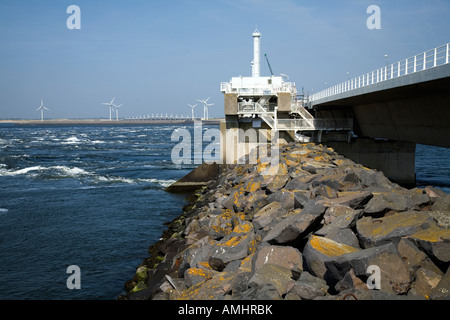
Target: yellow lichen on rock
[[433, 234], [329, 247], [243, 227]]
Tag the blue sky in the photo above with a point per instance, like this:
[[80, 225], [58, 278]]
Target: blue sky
[[158, 56]]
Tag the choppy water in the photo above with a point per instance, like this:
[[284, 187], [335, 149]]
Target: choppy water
[[87, 196], [93, 196]]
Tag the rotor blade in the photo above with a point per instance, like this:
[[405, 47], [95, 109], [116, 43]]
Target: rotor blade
[[46, 108], [112, 100], [207, 99]]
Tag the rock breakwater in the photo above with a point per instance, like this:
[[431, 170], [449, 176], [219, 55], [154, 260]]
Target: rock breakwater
[[315, 228]]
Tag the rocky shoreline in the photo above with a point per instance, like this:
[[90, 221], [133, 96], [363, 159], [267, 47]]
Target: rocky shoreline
[[318, 227]]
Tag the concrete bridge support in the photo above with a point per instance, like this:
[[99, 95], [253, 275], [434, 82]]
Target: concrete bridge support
[[396, 159]]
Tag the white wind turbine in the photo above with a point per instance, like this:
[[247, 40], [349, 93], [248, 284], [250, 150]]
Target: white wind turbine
[[109, 104], [117, 110], [42, 108], [192, 106], [205, 107]]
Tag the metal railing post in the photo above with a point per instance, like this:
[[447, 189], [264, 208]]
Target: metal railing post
[[398, 71], [447, 54], [424, 60], [435, 57], [415, 61], [406, 66]]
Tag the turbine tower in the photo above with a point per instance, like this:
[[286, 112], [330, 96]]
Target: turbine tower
[[42, 108], [192, 107], [117, 110], [109, 104], [205, 107]]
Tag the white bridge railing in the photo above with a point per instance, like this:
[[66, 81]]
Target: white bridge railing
[[423, 61]]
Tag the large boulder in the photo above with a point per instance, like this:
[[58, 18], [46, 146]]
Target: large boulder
[[295, 226], [267, 214], [435, 241], [442, 290], [374, 232], [400, 200], [308, 287], [425, 281], [442, 203], [353, 199], [275, 275], [284, 256], [394, 274], [318, 250], [214, 289], [233, 247]]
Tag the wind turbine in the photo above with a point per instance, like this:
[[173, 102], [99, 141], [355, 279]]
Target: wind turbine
[[42, 108], [117, 110], [109, 104], [205, 107], [192, 106]]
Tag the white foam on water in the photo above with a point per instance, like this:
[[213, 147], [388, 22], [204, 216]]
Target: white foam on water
[[161, 182], [65, 171], [71, 172], [71, 140], [6, 172], [115, 179], [3, 210]]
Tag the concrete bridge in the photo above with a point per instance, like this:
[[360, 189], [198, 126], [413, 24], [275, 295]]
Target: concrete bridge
[[392, 108], [405, 101]]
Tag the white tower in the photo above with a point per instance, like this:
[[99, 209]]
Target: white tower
[[255, 63]]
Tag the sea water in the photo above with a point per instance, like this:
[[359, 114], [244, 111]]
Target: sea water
[[93, 196]]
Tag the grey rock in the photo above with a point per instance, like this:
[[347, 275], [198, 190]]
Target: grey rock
[[308, 287], [442, 203], [301, 198], [358, 261], [265, 291], [397, 201], [295, 226], [353, 199], [296, 184], [374, 232], [275, 275], [230, 248], [284, 256], [267, 214], [442, 290], [286, 198]]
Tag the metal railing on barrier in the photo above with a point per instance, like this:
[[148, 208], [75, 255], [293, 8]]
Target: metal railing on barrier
[[422, 61]]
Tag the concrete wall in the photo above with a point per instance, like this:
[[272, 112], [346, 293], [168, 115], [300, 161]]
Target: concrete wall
[[231, 104], [284, 102]]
